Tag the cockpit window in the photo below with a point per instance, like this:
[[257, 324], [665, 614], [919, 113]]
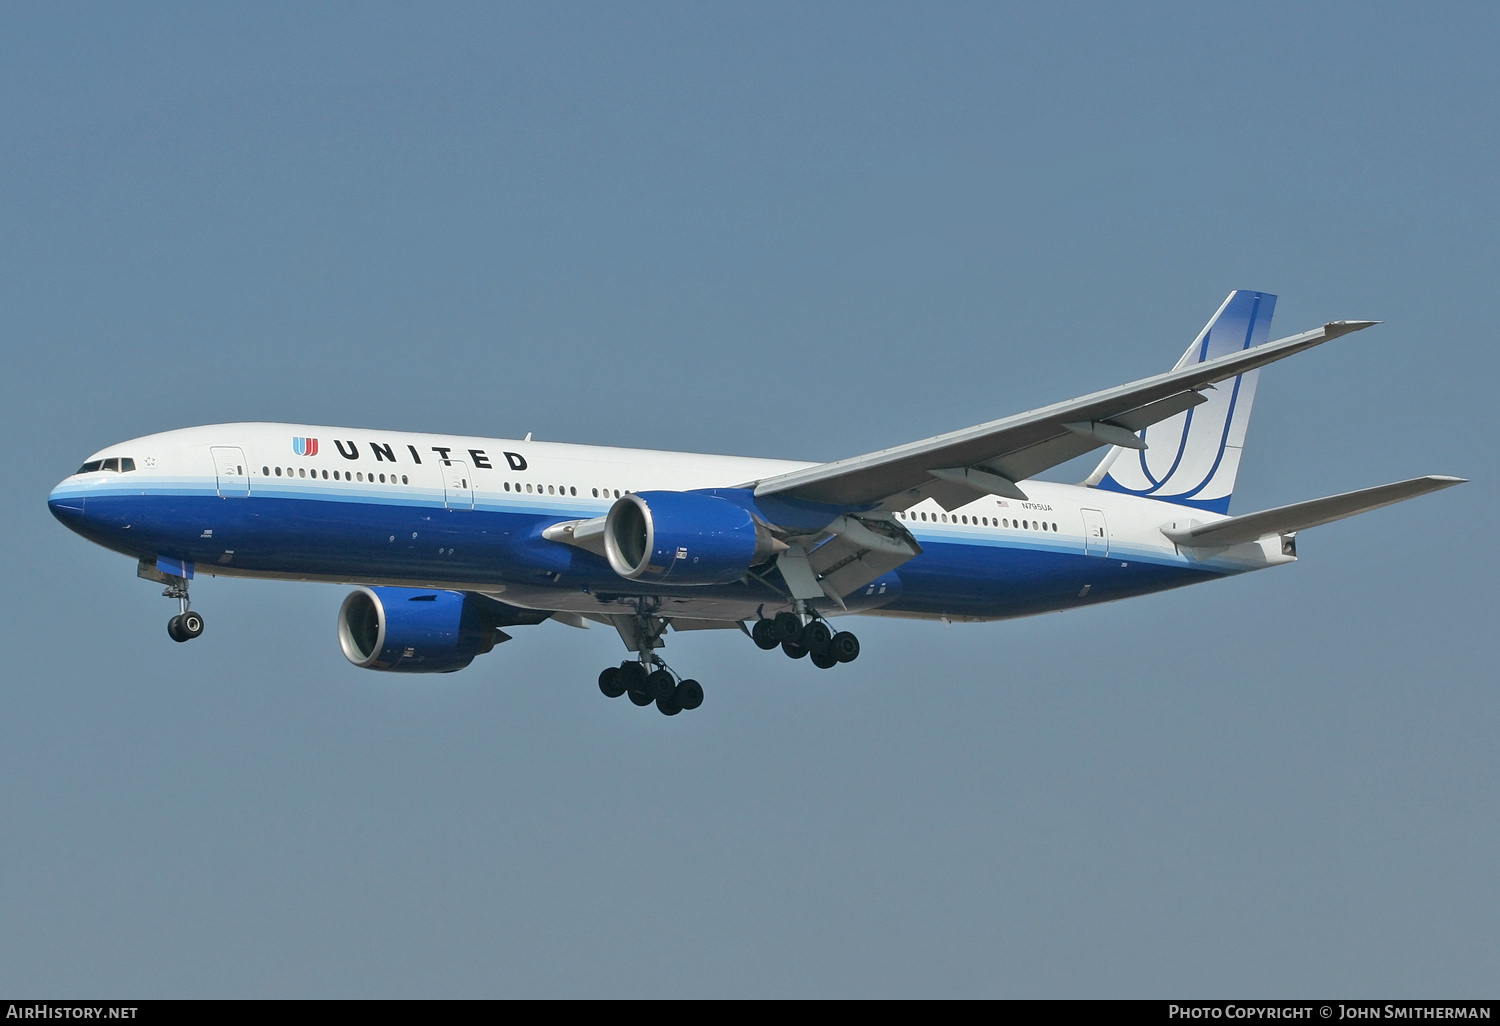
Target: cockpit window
[[119, 464]]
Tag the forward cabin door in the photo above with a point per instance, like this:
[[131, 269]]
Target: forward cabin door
[[232, 470], [458, 486], [1095, 533]]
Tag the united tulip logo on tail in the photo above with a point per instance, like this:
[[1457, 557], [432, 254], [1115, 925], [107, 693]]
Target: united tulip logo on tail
[[305, 446]]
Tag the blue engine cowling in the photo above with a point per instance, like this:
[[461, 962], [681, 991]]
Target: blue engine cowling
[[684, 538], [417, 630]]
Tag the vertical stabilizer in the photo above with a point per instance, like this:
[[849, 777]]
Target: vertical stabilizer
[[1192, 458]]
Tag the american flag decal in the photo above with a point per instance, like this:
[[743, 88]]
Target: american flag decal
[[305, 446]]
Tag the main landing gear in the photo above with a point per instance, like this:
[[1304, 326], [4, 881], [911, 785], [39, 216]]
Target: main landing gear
[[814, 639], [647, 679], [188, 624], [647, 686]]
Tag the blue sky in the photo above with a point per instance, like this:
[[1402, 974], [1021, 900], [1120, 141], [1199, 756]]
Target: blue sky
[[781, 230]]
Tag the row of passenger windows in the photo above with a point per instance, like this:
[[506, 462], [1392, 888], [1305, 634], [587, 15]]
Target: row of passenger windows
[[358, 475], [548, 489], [956, 518], [558, 490], [119, 464]]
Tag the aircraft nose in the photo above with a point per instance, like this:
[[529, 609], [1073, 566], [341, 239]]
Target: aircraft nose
[[66, 505]]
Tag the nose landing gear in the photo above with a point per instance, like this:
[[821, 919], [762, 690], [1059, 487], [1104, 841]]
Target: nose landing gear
[[187, 624]]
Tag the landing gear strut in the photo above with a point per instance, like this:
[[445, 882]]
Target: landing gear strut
[[187, 624], [814, 638]]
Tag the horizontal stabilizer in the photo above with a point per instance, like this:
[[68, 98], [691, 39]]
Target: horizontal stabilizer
[[1301, 515]]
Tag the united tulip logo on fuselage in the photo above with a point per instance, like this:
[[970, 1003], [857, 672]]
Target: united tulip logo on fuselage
[[305, 446]]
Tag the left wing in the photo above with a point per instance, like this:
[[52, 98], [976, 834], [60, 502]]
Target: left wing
[[992, 458]]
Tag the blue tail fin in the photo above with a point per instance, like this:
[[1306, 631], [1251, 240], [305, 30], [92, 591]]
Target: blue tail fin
[[1192, 458]]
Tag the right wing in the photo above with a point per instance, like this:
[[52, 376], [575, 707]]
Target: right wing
[[992, 458]]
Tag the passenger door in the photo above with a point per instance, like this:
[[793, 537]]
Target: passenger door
[[232, 471], [458, 486], [1095, 533]]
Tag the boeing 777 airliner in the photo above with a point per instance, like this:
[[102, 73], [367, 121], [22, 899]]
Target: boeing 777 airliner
[[450, 540]]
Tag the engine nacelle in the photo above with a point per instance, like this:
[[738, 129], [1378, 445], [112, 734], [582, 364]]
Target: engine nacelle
[[684, 538], [415, 630]]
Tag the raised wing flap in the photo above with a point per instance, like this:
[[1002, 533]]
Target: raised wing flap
[[1019, 447], [860, 551], [1302, 515]]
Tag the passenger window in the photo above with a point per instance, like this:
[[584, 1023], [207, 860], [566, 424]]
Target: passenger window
[[403, 479], [278, 471], [572, 491], [617, 493], [528, 488], [301, 471], [507, 486], [596, 493], [325, 475], [127, 464], [382, 479], [549, 489], [265, 471], [359, 475]]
